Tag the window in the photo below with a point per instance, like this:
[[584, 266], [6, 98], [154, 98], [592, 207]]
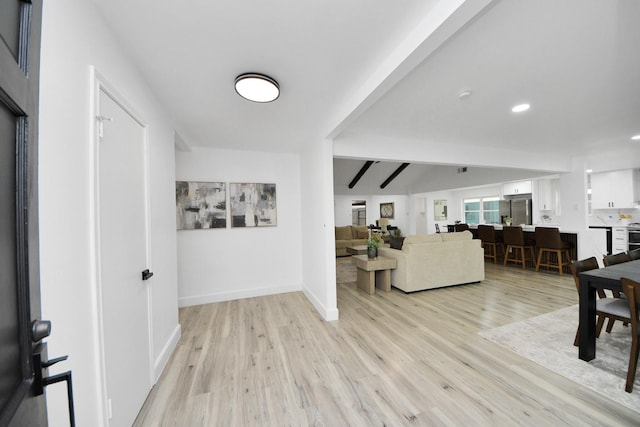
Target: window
[[487, 208], [472, 211], [491, 210]]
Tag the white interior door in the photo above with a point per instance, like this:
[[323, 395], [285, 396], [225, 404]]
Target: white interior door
[[122, 205]]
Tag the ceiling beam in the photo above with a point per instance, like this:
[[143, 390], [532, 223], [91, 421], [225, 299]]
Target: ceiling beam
[[361, 172], [394, 174], [443, 21]]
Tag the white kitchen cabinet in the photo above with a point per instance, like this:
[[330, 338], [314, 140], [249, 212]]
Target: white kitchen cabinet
[[546, 194], [615, 189], [516, 188], [619, 240]]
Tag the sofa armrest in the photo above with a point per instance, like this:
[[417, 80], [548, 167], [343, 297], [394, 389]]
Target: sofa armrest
[[399, 273]]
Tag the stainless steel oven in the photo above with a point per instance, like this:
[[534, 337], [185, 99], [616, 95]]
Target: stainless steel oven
[[634, 236]]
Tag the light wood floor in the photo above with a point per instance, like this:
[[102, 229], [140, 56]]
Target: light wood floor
[[392, 359]]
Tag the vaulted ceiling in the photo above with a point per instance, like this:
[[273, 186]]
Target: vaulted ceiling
[[387, 81]]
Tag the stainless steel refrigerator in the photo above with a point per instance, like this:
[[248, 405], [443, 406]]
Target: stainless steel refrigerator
[[518, 209]]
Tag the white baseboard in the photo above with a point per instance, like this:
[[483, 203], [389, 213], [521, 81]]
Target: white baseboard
[[327, 314], [233, 295], [165, 354]]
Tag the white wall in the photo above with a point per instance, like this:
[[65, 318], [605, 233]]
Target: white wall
[[318, 236], [425, 221], [342, 210], [74, 37], [231, 263]]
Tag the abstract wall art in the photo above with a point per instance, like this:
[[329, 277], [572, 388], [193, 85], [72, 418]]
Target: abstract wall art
[[253, 205], [201, 205]]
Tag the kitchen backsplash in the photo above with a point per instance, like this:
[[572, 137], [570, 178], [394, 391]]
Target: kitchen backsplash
[[614, 216]]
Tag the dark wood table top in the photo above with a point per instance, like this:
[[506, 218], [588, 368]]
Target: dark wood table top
[[601, 278], [609, 277]]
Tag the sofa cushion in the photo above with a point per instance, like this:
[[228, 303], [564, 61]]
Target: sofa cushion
[[455, 237], [360, 232], [422, 238], [343, 233], [340, 244]]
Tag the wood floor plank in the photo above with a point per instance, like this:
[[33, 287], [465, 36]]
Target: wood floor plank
[[391, 359]]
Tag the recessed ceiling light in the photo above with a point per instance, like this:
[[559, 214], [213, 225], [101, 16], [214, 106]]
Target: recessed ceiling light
[[636, 137], [520, 108], [257, 87]]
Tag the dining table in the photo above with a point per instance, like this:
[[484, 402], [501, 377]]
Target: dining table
[[590, 281]]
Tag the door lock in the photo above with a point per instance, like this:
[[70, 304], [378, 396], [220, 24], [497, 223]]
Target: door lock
[[40, 329]]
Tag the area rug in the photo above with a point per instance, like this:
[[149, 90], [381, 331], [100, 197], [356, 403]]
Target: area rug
[[548, 341]]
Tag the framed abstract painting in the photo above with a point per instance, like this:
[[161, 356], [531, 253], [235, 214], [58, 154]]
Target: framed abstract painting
[[201, 205], [253, 205], [387, 210]]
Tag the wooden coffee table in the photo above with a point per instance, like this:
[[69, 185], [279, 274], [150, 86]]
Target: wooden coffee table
[[357, 250], [372, 271]]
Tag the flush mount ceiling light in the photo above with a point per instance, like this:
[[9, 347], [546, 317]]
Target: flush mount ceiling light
[[257, 87], [520, 108]]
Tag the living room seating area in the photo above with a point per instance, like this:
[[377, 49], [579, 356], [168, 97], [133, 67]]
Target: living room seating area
[[436, 260], [350, 235]]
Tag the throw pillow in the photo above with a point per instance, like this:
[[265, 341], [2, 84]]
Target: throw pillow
[[363, 234]]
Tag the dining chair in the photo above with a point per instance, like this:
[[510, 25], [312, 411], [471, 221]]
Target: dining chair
[[616, 259], [515, 241], [634, 254], [608, 260], [606, 308], [437, 228], [461, 227], [552, 251], [490, 240], [632, 290]]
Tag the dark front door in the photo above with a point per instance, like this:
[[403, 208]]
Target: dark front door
[[19, 286]]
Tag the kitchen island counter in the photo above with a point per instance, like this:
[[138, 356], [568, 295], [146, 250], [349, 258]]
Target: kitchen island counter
[[566, 235], [530, 228]]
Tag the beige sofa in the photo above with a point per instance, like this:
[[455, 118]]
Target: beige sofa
[[436, 260], [350, 235]]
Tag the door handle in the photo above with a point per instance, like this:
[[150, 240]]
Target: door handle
[[40, 381], [146, 274]]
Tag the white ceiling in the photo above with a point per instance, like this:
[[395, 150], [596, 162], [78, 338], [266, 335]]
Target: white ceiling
[[576, 62], [357, 70], [319, 51]]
